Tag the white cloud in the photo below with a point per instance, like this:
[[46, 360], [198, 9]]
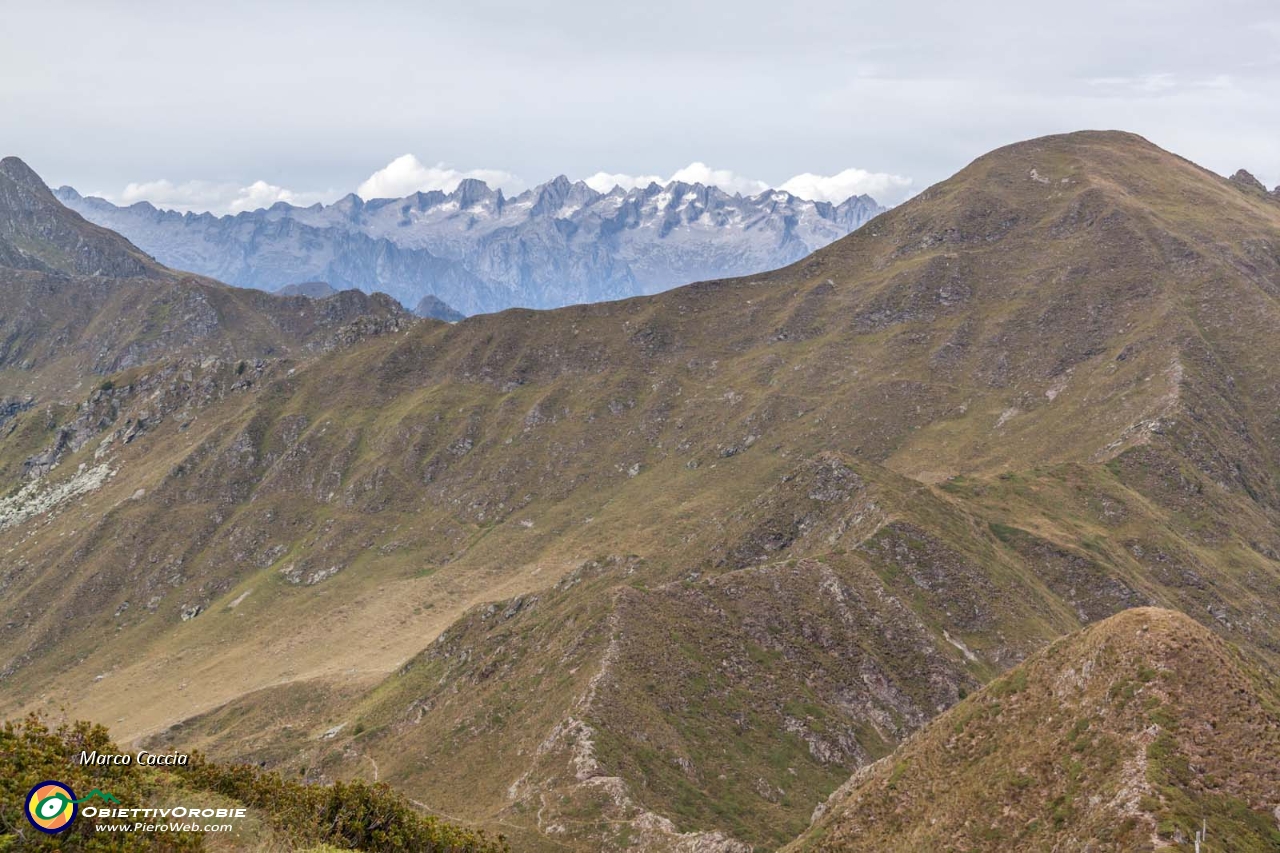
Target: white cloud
[[603, 182], [884, 188], [261, 194], [701, 173], [212, 196], [406, 175], [694, 173], [163, 193]]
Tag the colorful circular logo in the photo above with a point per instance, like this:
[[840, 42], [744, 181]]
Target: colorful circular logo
[[51, 806]]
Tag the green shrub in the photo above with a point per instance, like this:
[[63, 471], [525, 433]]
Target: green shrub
[[1003, 532], [349, 816], [31, 753]]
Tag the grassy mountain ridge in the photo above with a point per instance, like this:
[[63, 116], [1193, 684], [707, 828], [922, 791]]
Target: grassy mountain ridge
[[1129, 735], [63, 332], [803, 512]]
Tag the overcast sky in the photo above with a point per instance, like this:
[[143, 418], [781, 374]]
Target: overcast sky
[[231, 105]]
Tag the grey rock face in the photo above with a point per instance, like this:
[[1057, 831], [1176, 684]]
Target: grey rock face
[[560, 243], [433, 307], [13, 406], [37, 233]]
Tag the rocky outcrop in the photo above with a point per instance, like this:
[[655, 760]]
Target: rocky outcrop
[[1247, 181], [12, 406], [123, 413], [436, 309]]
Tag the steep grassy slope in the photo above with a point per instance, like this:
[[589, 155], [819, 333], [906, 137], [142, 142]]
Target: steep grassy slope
[[739, 699], [1132, 734], [747, 536]]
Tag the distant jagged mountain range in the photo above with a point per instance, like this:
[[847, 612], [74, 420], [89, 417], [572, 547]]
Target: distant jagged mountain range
[[478, 251]]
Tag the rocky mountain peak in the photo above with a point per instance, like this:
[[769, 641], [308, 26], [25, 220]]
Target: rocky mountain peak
[[349, 205], [23, 188], [20, 173], [437, 309], [38, 233], [551, 196], [426, 200], [1245, 179], [472, 191]]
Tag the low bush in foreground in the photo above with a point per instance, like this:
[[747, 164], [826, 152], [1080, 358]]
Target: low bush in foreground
[[342, 816]]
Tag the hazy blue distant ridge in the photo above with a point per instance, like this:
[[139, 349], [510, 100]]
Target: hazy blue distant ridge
[[476, 250]]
